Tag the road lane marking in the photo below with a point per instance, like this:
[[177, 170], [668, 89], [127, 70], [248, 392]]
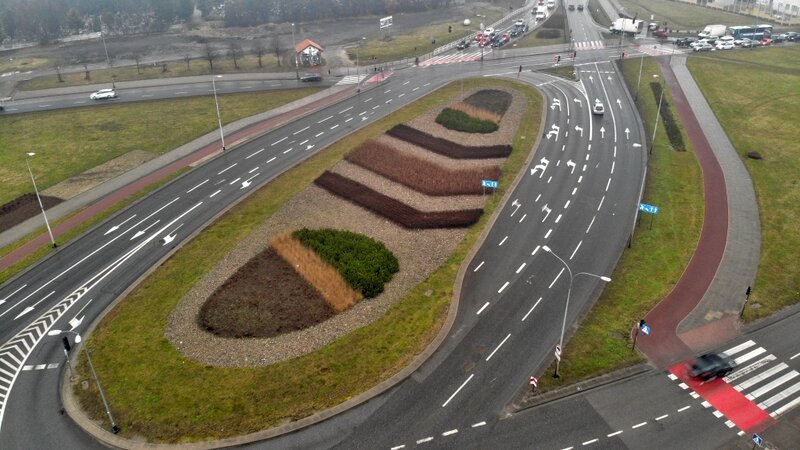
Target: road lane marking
[[448, 433], [11, 294], [501, 242], [271, 159], [590, 442], [253, 170], [602, 199], [576, 250], [717, 414], [522, 218], [401, 95], [319, 134], [574, 190], [288, 150], [369, 99], [424, 440], [278, 142], [197, 186], [498, 347], [608, 184], [547, 235], [772, 385], [300, 131], [234, 181], [706, 405], [482, 308], [750, 355], [662, 417], [503, 288], [760, 377], [479, 266], [226, 169], [348, 119], [345, 110], [639, 425], [684, 408], [558, 219], [457, 390], [398, 447], [479, 424], [254, 154], [335, 127], [786, 407], [522, 266], [613, 163], [536, 250], [795, 356], [744, 345], [323, 120], [215, 193], [531, 310], [614, 433], [590, 225], [556, 279]]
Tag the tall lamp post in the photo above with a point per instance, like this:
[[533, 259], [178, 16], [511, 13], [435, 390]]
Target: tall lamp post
[[569, 292], [216, 103], [114, 426], [658, 113], [41, 206], [294, 50]]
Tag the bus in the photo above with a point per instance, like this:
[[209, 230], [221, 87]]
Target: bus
[[752, 32]]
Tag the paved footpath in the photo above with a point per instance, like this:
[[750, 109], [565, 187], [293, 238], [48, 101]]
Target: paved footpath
[[702, 309], [102, 197]]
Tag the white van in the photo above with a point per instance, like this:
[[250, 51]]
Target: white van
[[541, 13]]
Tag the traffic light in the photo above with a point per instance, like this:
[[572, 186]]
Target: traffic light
[[66, 343], [449, 28], [558, 58]]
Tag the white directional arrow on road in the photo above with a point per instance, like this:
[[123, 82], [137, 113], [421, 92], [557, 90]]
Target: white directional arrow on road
[[577, 100], [554, 131], [602, 132], [556, 103], [547, 211], [591, 79], [627, 133], [542, 167], [116, 227], [141, 232], [248, 181], [30, 308], [571, 165], [619, 102], [635, 145], [579, 129], [516, 204], [309, 147], [168, 238]]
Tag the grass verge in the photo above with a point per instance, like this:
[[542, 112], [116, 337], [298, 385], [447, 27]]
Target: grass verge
[[155, 392], [650, 268], [756, 119], [684, 16], [69, 142]]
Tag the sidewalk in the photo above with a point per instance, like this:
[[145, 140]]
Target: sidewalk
[[105, 195], [702, 309]]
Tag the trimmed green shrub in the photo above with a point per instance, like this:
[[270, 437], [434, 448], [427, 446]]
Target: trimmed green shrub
[[670, 125], [364, 263], [454, 119]]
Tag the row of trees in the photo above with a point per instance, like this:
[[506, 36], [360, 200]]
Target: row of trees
[[254, 12], [47, 20]]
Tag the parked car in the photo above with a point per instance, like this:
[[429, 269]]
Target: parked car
[[580, 7], [103, 94], [463, 44], [311, 76], [725, 45], [685, 41], [598, 109], [765, 42], [711, 365], [703, 47]]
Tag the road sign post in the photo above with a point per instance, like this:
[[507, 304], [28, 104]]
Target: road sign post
[[491, 184], [557, 354], [534, 384], [645, 329], [757, 441]]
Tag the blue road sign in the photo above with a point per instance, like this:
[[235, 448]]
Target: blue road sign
[[650, 209], [489, 184], [758, 440], [646, 329]]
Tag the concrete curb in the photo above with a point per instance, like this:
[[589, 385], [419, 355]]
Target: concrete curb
[[104, 436]]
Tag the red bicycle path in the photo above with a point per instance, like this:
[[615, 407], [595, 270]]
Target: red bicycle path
[[124, 192], [663, 346]]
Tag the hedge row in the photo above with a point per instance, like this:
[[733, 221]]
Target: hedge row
[[493, 100], [364, 263], [418, 173], [448, 148], [392, 209], [454, 119], [670, 125]]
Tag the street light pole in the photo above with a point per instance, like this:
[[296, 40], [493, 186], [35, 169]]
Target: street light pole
[[216, 103], [294, 50], [41, 206], [658, 113], [114, 426], [639, 80], [566, 306]]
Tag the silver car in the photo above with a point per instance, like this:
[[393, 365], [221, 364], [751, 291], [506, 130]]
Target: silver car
[[103, 94]]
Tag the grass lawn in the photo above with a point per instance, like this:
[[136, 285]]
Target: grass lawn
[[650, 268], [684, 16], [761, 115], [155, 392], [11, 64], [197, 66], [68, 142]]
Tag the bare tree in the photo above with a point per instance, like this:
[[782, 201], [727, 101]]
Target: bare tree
[[86, 75], [259, 49], [137, 58], [211, 55], [58, 72], [275, 45], [235, 50], [188, 59]]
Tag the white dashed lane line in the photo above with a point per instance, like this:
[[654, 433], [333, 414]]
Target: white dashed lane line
[[614, 433], [448, 433], [479, 266], [279, 141], [479, 424], [482, 308], [503, 288]]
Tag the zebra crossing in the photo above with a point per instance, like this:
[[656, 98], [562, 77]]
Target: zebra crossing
[[589, 45], [472, 55], [761, 388], [352, 79]]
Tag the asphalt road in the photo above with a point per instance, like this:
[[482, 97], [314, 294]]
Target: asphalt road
[[579, 197]]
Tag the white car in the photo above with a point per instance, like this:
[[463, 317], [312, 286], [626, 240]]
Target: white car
[[489, 32], [519, 23], [103, 94], [725, 45], [598, 108]]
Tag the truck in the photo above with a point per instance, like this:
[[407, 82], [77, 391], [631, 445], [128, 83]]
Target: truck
[[626, 26], [541, 13], [713, 31]]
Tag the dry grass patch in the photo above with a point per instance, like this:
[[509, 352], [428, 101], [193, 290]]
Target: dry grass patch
[[325, 279], [477, 112], [418, 174]]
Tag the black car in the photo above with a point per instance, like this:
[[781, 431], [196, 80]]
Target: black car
[[684, 42], [571, 7], [711, 365], [462, 45], [793, 36], [311, 76], [778, 38], [580, 7]]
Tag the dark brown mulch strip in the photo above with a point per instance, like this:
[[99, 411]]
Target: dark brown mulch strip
[[23, 208], [392, 209], [492, 100], [419, 174], [448, 148], [265, 297]]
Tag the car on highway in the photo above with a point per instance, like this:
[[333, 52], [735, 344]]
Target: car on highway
[[571, 7], [580, 7], [778, 38], [766, 42], [703, 47], [710, 366], [519, 22], [685, 41], [724, 45], [598, 109], [311, 76], [793, 36], [489, 32], [747, 43], [463, 44], [103, 94]]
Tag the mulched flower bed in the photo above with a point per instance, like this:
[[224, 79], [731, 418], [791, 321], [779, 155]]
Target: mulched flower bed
[[448, 148], [23, 208], [493, 100]]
